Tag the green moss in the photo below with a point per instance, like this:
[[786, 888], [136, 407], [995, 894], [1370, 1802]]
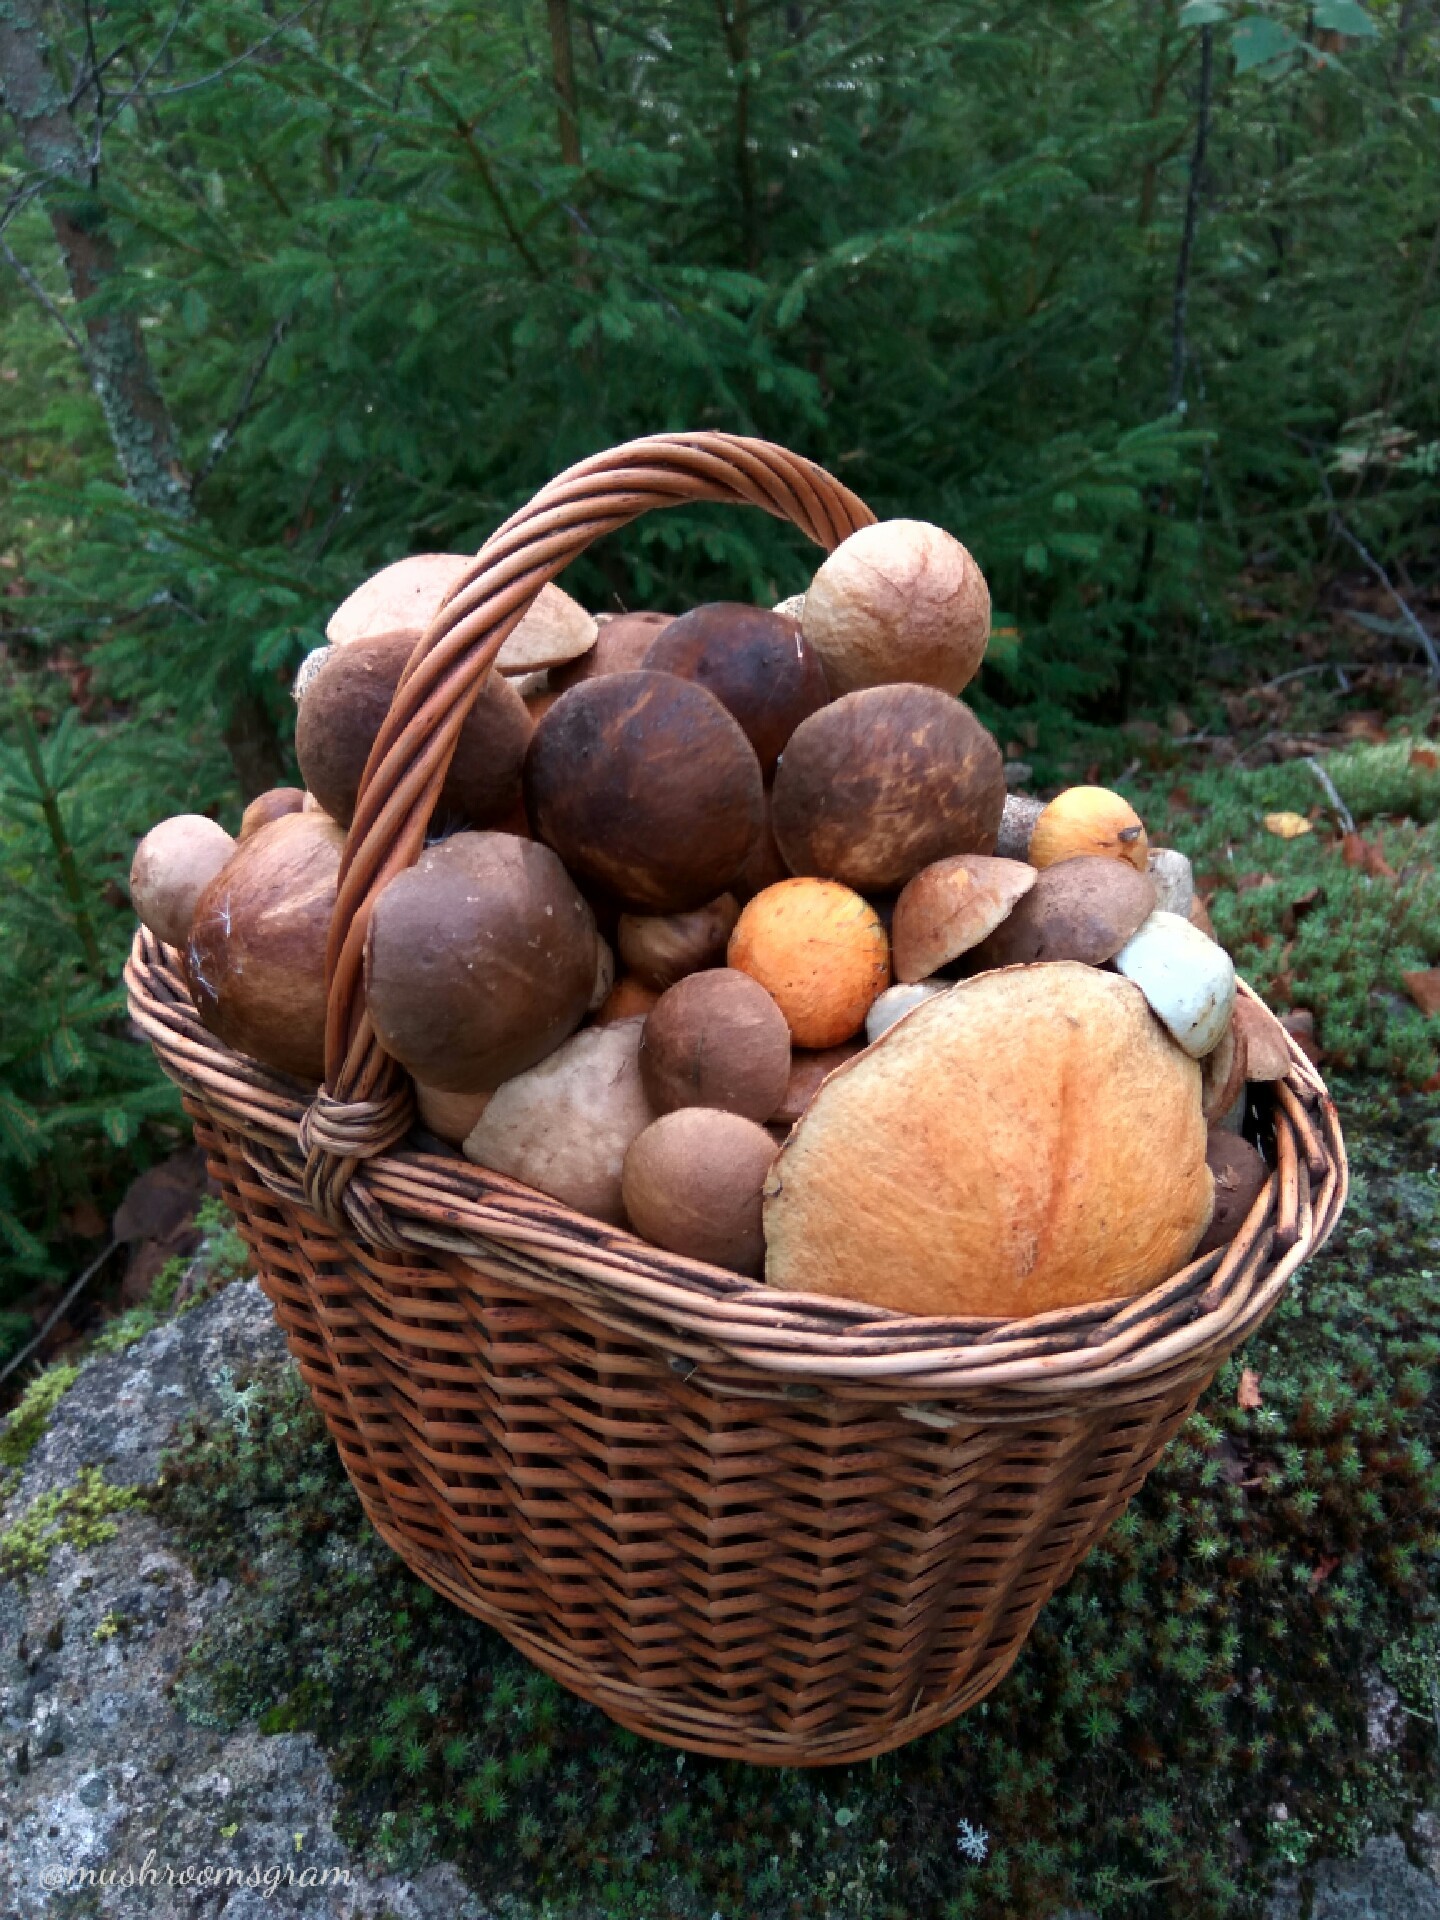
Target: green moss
[[31, 1414], [79, 1516], [1206, 1665]]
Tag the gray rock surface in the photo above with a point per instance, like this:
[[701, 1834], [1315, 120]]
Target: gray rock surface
[[101, 1777], [1380, 1885]]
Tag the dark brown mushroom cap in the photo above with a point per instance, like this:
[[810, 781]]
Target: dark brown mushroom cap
[[620, 646], [479, 960], [1239, 1174], [255, 962], [645, 785], [950, 907], [716, 1039], [809, 1069], [755, 662], [272, 805], [1084, 909], [883, 782], [341, 713], [693, 1182], [661, 948]]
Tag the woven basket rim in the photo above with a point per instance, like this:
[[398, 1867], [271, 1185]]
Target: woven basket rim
[[442, 1202]]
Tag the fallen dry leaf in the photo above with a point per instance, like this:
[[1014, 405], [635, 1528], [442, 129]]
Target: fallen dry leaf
[[1366, 855], [1286, 826], [1247, 1394], [1425, 759], [1424, 989]]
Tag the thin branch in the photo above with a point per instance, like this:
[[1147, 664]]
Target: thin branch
[[220, 443], [1407, 613], [1181, 299], [67, 1299], [1332, 794], [219, 73], [33, 287]]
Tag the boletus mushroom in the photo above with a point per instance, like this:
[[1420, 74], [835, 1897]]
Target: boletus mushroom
[[173, 865], [880, 784], [1240, 1175], [820, 952], [255, 959], [1267, 1050], [449, 1116], [1089, 820], [646, 786], [622, 641], [896, 1002], [342, 712], [405, 597], [1188, 980], [661, 948], [808, 1069], [692, 1184], [950, 907], [479, 960], [1084, 909], [756, 663], [716, 1039], [899, 601], [272, 805], [980, 1158]]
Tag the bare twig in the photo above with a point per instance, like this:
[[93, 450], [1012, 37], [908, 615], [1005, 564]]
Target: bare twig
[[1407, 613], [33, 287], [1303, 673], [67, 1299], [220, 442], [1337, 805], [1181, 299]]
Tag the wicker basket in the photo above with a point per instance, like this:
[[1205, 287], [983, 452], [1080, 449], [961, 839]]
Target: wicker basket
[[773, 1527]]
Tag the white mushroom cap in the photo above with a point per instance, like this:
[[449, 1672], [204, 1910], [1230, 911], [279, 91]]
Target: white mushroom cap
[[307, 671], [1174, 879], [896, 1002], [1187, 979]]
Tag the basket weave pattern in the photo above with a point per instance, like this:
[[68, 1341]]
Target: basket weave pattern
[[773, 1527]]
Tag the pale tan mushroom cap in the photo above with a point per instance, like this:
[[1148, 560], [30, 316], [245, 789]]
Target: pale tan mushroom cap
[[1031, 1139], [898, 601], [950, 907], [404, 598]]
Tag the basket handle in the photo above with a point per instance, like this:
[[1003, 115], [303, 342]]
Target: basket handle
[[366, 1102]]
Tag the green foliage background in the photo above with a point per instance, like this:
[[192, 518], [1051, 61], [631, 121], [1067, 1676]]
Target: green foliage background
[[935, 246]]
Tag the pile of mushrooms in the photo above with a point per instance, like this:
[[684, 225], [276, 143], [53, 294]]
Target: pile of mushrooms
[[729, 932]]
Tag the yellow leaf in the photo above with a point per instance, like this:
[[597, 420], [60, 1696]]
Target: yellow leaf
[[1286, 826]]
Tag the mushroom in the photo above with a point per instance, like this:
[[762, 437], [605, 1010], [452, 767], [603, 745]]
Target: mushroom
[[173, 865], [1089, 820], [273, 805], [882, 783], [479, 960], [792, 607], [628, 999], [1017, 823], [1084, 909], [1174, 879], [716, 1039], [1188, 980], [692, 1184], [1223, 1075], [1198, 914], [899, 601], [808, 1071], [1267, 1051], [757, 665], [307, 671], [763, 867], [896, 1002], [341, 715], [255, 960], [661, 948], [604, 974], [450, 1116], [565, 1125], [405, 597], [1239, 1174], [645, 785], [952, 906], [622, 641], [1028, 1140], [554, 631], [821, 954]]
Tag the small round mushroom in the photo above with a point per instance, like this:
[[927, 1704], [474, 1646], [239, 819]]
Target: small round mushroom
[[645, 785], [449, 1116], [896, 1002], [882, 783], [1222, 1075], [952, 906], [479, 960], [173, 865], [1017, 823], [341, 715], [661, 948], [716, 1039], [553, 632], [628, 999], [622, 641], [255, 959], [1174, 879], [1267, 1052], [1239, 1174], [757, 664], [1188, 980], [899, 601], [1089, 821], [820, 952], [693, 1182], [808, 1072], [273, 805], [564, 1126], [1084, 909]]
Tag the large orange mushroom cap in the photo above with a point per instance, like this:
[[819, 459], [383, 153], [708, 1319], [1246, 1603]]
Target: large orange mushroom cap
[[820, 952]]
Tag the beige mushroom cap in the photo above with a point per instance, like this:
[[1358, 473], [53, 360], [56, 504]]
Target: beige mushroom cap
[[405, 597], [900, 600], [950, 907], [1030, 1139], [173, 865]]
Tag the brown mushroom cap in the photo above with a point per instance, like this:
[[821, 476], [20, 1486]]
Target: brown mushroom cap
[[1084, 909], [564, 1126], [628, 999], [1267, 1052], [553, 632], [950, 907], [763, 867], [404, 598], [266, 807], [809, 1068], [479, 960], [882, 783], [173, 865], [661, 948], [341, 715], [622, 641], [1222, 1074], [716, 1039], [450, 1116], [899, 601], [692, 1183], [255, 961], [1030, 1139], [756, 663], [644, 784], [1240, 1175]]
